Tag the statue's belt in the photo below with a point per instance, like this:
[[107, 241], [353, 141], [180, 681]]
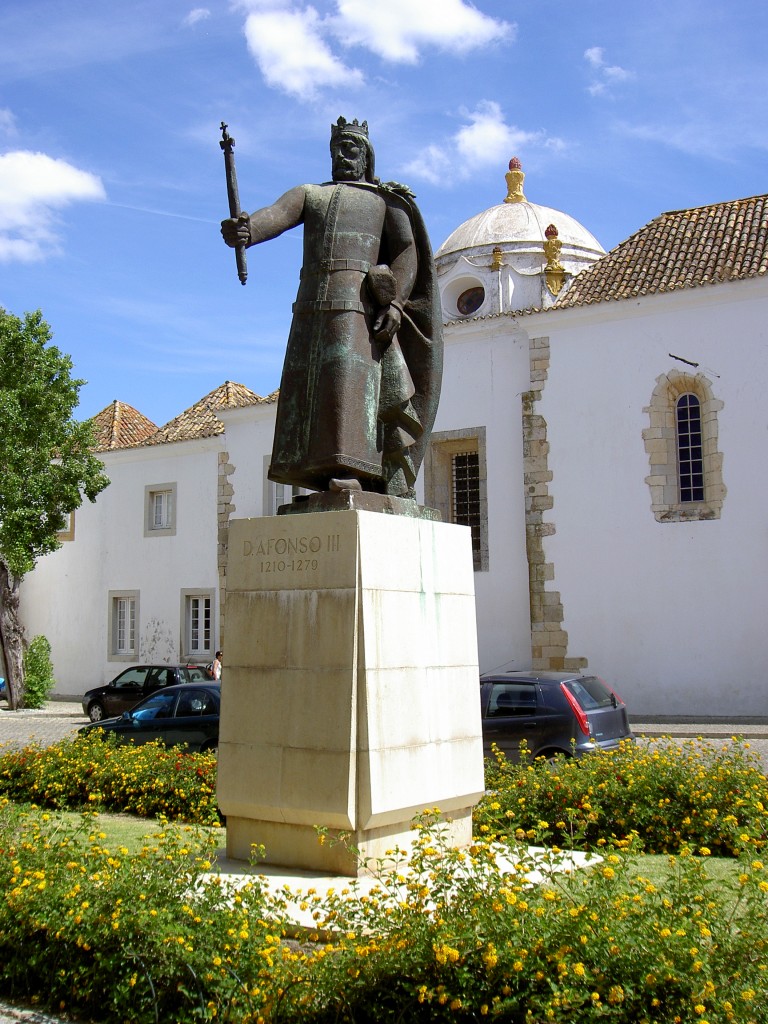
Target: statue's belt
[[325, 266], [312, 305]]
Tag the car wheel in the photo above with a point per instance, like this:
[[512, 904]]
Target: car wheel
[[96, 712], [554, 758], [210, 748]]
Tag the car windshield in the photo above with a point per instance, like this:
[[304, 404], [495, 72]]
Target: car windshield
[[131, 677], [159, 705], [196, 674], [590, 692]]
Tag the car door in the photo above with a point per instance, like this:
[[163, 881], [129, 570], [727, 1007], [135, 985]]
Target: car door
[[510, 715], [157, 678], [151, 719], [125, 691], [195, 718]]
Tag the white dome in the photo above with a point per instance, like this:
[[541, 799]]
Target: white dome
[[515, 223], [512, 257]]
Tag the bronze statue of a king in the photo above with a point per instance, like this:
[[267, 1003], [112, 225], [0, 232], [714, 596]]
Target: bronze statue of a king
[[363, 364]]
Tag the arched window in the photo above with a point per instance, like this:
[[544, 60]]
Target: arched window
[[686, 468], [690, 457]]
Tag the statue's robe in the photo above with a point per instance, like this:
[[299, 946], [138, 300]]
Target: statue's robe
[[350, 405]]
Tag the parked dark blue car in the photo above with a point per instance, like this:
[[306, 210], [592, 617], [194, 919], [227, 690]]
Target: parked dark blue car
[[184, 714]]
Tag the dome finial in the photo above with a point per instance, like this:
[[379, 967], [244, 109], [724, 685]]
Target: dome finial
[[554, 272], [515, 179]]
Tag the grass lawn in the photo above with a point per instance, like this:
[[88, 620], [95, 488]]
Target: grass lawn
[[131, 832]]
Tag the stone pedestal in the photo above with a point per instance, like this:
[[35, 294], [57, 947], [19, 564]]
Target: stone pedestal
[[350, 694]]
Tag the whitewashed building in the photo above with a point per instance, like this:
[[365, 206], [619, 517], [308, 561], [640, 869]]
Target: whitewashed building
[[599, 430]]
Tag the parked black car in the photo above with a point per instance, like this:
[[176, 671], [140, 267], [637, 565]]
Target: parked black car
[[187, 713], [126, 690], [554, 712]]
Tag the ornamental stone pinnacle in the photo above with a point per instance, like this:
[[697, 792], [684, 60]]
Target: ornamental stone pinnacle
[[515, 179]]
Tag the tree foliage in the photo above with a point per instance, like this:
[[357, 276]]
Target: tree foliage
[[46, 462], [46, 465]]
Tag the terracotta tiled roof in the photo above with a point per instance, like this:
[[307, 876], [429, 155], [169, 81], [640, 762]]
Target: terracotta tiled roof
[[200, 420], [682, 249], [120, 426]]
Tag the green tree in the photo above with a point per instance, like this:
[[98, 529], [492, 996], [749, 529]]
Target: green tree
[[46, 467]]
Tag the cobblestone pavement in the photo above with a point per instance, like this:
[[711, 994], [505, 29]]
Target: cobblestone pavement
[[56, 721]]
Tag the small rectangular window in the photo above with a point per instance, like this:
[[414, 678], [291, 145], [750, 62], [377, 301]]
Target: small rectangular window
[[283, 494], [160, 510], [68, 533], [455, 481], [465, 495], [198, 625], [123, 625]]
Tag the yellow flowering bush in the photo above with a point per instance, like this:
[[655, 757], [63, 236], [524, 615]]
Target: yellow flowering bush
[[662, 796], [443, 935], [149, 780]]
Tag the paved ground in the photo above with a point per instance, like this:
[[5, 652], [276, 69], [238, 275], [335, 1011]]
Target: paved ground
[[60, 719]]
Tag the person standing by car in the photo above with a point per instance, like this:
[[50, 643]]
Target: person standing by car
[[216, 666]]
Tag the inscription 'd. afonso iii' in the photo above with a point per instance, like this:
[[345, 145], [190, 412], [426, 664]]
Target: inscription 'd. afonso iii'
[[290, 554]]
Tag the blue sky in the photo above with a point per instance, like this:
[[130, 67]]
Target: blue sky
[[112, 181]]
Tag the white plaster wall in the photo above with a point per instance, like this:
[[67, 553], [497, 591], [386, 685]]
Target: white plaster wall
[[66, 597], [673, 614], [249, 436], [486, 372]]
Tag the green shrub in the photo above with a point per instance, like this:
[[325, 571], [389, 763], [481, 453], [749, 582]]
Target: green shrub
[[38, 672]]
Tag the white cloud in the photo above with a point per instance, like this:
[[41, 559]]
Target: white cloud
[[396, 29], [488, 138], [296, 47], [605, 75], [433, 164], [195, 15], [485, 141], [32, 187], [292, 55]]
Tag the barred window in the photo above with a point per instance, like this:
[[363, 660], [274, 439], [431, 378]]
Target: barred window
[[690, 460], [455, 483], [465, 495], [686, 468]]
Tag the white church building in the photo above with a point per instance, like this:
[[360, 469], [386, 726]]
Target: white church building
[[598, 433]]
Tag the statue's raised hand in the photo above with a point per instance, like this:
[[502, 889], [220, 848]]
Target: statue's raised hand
[[236, 230]]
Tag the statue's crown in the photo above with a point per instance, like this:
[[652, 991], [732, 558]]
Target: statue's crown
[[345, 127]]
